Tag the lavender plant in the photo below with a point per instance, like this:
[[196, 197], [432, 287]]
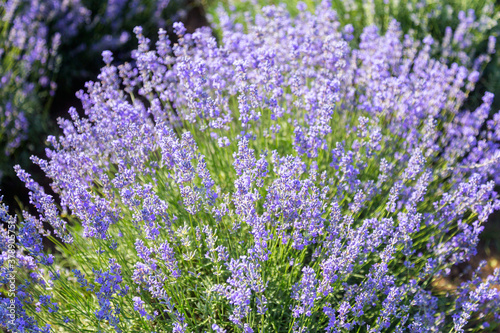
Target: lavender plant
[[27, 62], [281, 181]]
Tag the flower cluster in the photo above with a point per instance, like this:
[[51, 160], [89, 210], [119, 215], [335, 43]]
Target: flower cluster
[[282, 180]]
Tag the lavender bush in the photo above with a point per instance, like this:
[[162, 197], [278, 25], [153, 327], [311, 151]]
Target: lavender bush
[[27, 62], [282, 181]]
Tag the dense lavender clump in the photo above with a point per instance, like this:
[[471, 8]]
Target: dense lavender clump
[[280, 181]]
